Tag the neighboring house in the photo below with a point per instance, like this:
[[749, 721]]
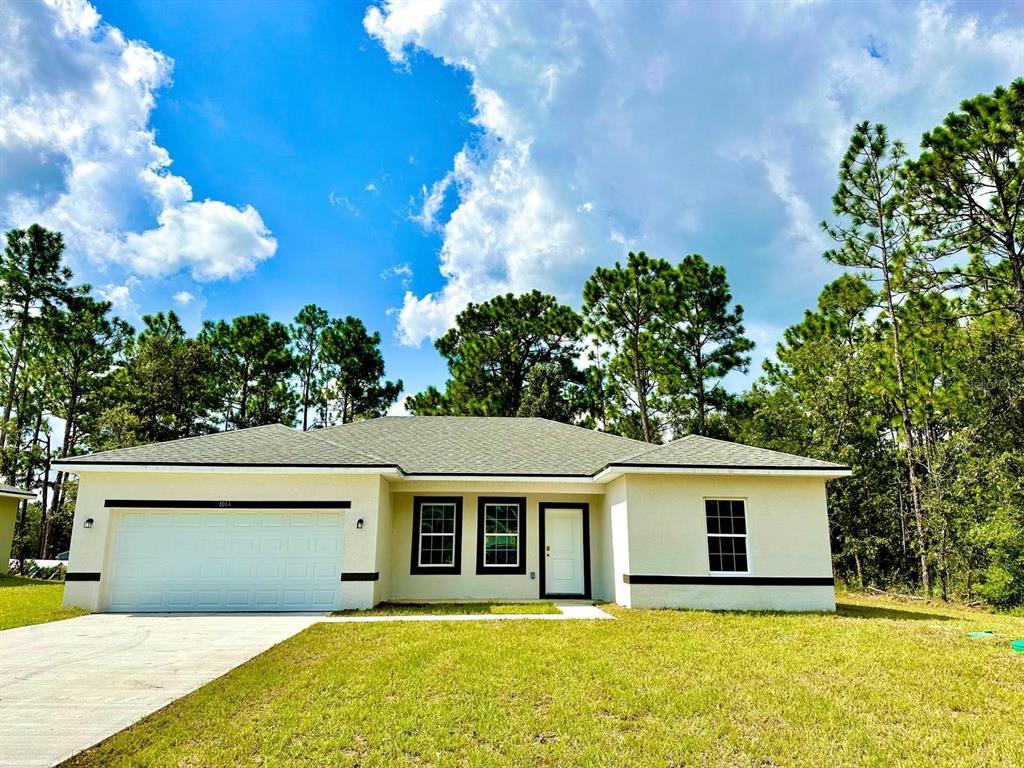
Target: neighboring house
[[447, 508], [10, 497]]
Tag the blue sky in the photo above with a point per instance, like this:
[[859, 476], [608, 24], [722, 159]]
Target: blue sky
[[396, 161]]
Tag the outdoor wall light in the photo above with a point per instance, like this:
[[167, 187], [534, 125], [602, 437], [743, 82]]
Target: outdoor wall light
[[88, 523], [359, 523]]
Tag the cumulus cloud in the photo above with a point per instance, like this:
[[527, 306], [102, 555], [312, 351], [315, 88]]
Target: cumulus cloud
[[79, 155], [712, 127], [183, 298]]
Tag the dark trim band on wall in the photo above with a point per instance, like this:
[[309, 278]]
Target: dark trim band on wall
[[224, 504], [354, 576], [768, 581], [81, 576]]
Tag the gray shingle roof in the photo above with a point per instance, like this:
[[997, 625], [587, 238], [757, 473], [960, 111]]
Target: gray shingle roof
[[696, 451], [10, 490], [449, 445], [484, 445], [271, 445]]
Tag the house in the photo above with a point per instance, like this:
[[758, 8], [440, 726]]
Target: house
[[10, 497], [447, 508]]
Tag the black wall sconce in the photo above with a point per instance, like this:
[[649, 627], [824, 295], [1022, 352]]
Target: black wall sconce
[[359, 523], [88, 523]]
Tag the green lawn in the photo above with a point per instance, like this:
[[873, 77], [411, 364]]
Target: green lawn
[[451, 609], [882, 683], [28, 601]]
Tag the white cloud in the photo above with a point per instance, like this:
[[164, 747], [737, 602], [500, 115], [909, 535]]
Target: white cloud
[[371, 188], [80, 156], [707, 127], [120, 297], [342, 201], [183, 298], [402, 271]]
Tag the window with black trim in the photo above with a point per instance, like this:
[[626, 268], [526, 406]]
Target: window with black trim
[[727, 535], [437, 534], [501, 535]]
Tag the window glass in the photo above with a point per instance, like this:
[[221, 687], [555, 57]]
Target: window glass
[[727, 535], [437, 534], [501, 534]]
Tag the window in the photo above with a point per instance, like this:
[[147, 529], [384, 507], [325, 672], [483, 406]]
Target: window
[[727, 535], [437, 534], [501, 535]]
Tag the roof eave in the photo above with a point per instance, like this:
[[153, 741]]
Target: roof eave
[[17, 494], [228, 468], [613, 471]]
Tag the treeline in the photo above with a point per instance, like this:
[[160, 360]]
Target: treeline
[[76, 379]]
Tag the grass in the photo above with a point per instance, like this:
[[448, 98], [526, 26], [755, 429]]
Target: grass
[[881, 683], [450, 609], [30, 601]]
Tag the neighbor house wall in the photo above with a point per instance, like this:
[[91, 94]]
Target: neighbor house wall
[[467, 585], [787, 537], [91, 547], [8, 514]]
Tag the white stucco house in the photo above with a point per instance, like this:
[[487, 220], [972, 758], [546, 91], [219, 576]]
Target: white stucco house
[[447, 508]]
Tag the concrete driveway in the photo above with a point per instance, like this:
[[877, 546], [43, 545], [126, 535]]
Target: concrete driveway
[[67, 685]]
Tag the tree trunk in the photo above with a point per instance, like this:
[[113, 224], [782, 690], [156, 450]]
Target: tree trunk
[[12, 383]]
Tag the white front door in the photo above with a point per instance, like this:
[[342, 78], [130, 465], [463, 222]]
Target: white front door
[[231, 560], [563, 552]]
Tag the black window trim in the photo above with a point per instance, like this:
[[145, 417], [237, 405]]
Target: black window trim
[[437, 570], [500, 570], [745, 536]]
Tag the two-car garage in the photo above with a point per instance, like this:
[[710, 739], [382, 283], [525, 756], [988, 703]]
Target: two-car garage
[[219, 556]]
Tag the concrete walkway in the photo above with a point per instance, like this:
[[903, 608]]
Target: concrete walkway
[[67, 685], [575, 610]]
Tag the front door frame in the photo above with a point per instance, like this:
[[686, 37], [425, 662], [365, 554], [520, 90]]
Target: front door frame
[[582, 505]]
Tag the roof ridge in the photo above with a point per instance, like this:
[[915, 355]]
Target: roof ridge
[[578, 426], [347, 448]]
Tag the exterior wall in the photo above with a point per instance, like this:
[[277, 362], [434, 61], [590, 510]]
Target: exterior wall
[[382, 587], [8, 513], [787, 536], [90, 547], [614, 544], [467, 585]]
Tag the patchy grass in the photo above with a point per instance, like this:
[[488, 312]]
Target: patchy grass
[[30, 601], [450, 609], [881, 683]]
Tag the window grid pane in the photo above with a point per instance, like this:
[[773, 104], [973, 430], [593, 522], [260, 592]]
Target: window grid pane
[[727, 535], [437, 534], [501, 534]]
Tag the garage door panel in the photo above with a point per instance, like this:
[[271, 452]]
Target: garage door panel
[[177, 560]]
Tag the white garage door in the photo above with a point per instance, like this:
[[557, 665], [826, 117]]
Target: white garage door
[[237, 560]]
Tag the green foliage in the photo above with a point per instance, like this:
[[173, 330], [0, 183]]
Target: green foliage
[[967, 191], [353, 370], [623, 308], [166, 390], [254, 364], [704, 342], [492, 349], [307, 339]]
